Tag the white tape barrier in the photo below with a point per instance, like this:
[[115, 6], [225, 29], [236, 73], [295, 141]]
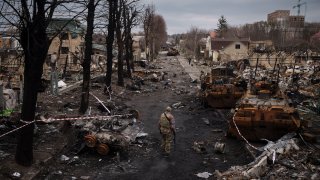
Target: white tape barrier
[[49, 120]]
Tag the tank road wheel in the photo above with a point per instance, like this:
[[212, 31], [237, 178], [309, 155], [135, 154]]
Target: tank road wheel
[[90, 140], [103, 149]]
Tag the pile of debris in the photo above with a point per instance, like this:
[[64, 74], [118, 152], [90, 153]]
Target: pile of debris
[[282, 159], [113, 134]]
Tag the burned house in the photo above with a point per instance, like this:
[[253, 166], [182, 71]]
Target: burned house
[[202, 48], [67, 43], [11, 68], [265, 46], [98, 57], [137, 45]]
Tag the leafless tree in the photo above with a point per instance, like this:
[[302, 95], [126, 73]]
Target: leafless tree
[[131, 19], [159, 34], [87, 55], [192, 38], [112, 9], [31, 17], [147, 27], [120, 35], [257, 31]]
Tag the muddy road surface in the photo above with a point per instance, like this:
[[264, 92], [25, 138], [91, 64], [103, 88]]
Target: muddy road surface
[[198, 129]]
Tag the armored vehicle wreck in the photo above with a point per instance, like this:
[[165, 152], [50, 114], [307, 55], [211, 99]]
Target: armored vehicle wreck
[[221, 89]]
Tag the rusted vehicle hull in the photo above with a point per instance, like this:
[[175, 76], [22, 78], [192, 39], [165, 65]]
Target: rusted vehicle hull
[[255, 131], [264, 120], [221, 89], [218, 100]]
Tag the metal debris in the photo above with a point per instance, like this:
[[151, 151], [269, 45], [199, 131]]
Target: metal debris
[[219, 147], [274, 152], [199, 147]]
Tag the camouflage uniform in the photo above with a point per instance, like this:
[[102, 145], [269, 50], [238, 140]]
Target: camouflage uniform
[[166, 126]]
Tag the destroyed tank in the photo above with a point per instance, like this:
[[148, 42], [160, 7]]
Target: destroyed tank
[[258, 119], [264, 113], [221, 89]]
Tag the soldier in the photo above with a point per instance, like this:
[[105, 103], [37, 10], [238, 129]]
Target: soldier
[[189, 60], [167, 130]]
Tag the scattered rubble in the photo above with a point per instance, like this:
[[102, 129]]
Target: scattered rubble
[[281, 159], [109, 134], [278, 160], [204, 175], [199, 147]]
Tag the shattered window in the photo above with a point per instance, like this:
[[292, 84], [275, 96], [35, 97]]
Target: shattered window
[[64, 36], [64, 50], [237, 46]]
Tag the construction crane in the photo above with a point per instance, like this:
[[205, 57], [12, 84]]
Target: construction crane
[[299, 5]]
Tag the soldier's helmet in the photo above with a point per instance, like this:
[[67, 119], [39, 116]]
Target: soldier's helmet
[[168, 109]]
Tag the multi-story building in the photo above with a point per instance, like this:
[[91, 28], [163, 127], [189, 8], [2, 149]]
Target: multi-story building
[[296, 21], [283, 19], [279, 17]]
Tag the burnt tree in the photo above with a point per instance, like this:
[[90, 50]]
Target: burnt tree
[[33, 38], [112, 7], [31, 18], [87, 57], [130, 13], [119, 35], [35, 44]]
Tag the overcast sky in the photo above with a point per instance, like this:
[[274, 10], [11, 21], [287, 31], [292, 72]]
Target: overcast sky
[[181, 15]]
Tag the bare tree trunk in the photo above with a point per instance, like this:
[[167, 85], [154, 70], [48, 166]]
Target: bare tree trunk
[[130, 19], [87, 58], [127, 35], [152, 46], [111, 28], [120, 43], [127, 58], [130, 48], [120, 60], [35, 44], [147, 26]]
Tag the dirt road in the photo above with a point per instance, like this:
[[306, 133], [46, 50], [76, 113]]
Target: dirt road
[[194, 123]]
